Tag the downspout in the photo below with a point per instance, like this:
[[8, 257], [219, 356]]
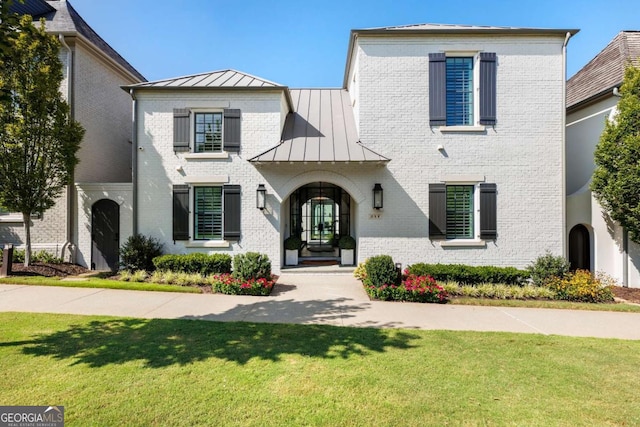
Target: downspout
[[134, 163], [68, 244], [625, 235], [564, 145]]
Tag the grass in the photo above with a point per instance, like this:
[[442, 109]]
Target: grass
[[97, 282], [116, 371], [561, 305]]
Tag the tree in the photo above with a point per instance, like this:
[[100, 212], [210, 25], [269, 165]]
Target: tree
[[616, 180], [38, 138]]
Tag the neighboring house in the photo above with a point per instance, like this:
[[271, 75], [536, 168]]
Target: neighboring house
[[445, 144], [93, 73], [597, 243]]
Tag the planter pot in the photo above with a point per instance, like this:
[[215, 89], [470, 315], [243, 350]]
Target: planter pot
[[291, 257], [346, 256]]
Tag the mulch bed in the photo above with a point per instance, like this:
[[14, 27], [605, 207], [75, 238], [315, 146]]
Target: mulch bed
[[48, 270], [628, 294]]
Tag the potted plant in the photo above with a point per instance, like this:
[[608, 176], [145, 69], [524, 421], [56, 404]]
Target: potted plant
[[292, 245], [347, 245]]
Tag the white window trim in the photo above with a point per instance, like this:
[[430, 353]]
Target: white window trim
[[475, 126], [193, 154], [474, 180], [211, 243]]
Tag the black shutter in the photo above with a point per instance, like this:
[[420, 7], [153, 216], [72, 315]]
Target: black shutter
[[181, 129], [437, 89], [232, 212], [437, 211], [488, 222], [180, 212], [487, 88], [231, 130]]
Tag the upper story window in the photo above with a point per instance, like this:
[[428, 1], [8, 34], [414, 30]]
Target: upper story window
[[208, 132], [462, 89], [459, 77]]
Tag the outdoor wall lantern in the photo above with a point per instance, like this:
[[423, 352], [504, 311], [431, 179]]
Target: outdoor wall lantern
[[377, 196], [261, 194]]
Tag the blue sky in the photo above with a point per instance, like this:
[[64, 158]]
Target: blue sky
[[303, 43]]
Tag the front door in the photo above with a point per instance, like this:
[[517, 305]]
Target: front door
[[320, 215], [105, 236]]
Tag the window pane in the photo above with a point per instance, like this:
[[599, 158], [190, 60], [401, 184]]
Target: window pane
[[208, 213], [208, 132], [459, 91], [460, 211]]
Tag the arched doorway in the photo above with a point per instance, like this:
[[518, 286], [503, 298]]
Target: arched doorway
[[319, 213], [579, 248], [105, 235]]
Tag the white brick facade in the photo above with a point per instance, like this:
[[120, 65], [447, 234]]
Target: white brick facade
[[389, 85]]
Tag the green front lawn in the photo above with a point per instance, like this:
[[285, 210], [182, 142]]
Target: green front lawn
[[115, 371], [96, 282]]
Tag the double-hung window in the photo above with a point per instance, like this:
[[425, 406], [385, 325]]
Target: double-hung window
[[462, 89], [459, 77], [208, 132], [462, 211]]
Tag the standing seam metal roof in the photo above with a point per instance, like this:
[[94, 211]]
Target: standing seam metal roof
[[214, 79], [322, 129]]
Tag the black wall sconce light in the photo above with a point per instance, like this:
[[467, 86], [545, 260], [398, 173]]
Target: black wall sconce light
[[377, 196], [261, 195]]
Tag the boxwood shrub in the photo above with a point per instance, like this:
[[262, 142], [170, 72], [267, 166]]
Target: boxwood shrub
[[194, 263], [381, 271], [470, 275], [251, 266]]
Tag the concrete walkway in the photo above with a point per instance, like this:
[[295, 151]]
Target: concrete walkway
[[336, 299]]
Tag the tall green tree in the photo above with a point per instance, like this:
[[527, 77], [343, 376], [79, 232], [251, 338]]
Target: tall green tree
[[38, 138], [616, 180]]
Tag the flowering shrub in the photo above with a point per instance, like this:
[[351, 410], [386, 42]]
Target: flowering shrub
[[227, 284], [412, 288], [583, 286]]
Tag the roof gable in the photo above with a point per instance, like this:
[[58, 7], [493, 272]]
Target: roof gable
[[61, 18], [606, 70]]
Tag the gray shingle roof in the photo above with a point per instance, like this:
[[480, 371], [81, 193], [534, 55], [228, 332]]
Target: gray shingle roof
[[322, 129], [62, 18], [211, 80], [605, 71]]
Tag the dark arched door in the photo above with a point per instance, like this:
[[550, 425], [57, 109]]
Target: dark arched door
[[105, 236], [579, 248]]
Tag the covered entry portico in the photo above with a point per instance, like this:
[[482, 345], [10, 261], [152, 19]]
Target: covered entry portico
[[320, 214]]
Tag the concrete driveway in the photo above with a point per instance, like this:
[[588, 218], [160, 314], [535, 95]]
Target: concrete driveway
[[332, 299]]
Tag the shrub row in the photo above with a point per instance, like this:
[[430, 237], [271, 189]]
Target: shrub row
[[582, 286], [227, 284], [499, 291], [194, 263], [411, 289], [470, 275], [40, 256]]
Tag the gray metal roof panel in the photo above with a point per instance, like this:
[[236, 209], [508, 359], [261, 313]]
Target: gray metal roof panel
[[321, 129], [34, 8], [214, 79], [605, 71]]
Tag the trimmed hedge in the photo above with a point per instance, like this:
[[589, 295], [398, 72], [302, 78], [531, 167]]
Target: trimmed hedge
[[469, 275], [194, 263]]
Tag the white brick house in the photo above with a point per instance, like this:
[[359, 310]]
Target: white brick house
[[462, 128], [595, 241], [93, 73]]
